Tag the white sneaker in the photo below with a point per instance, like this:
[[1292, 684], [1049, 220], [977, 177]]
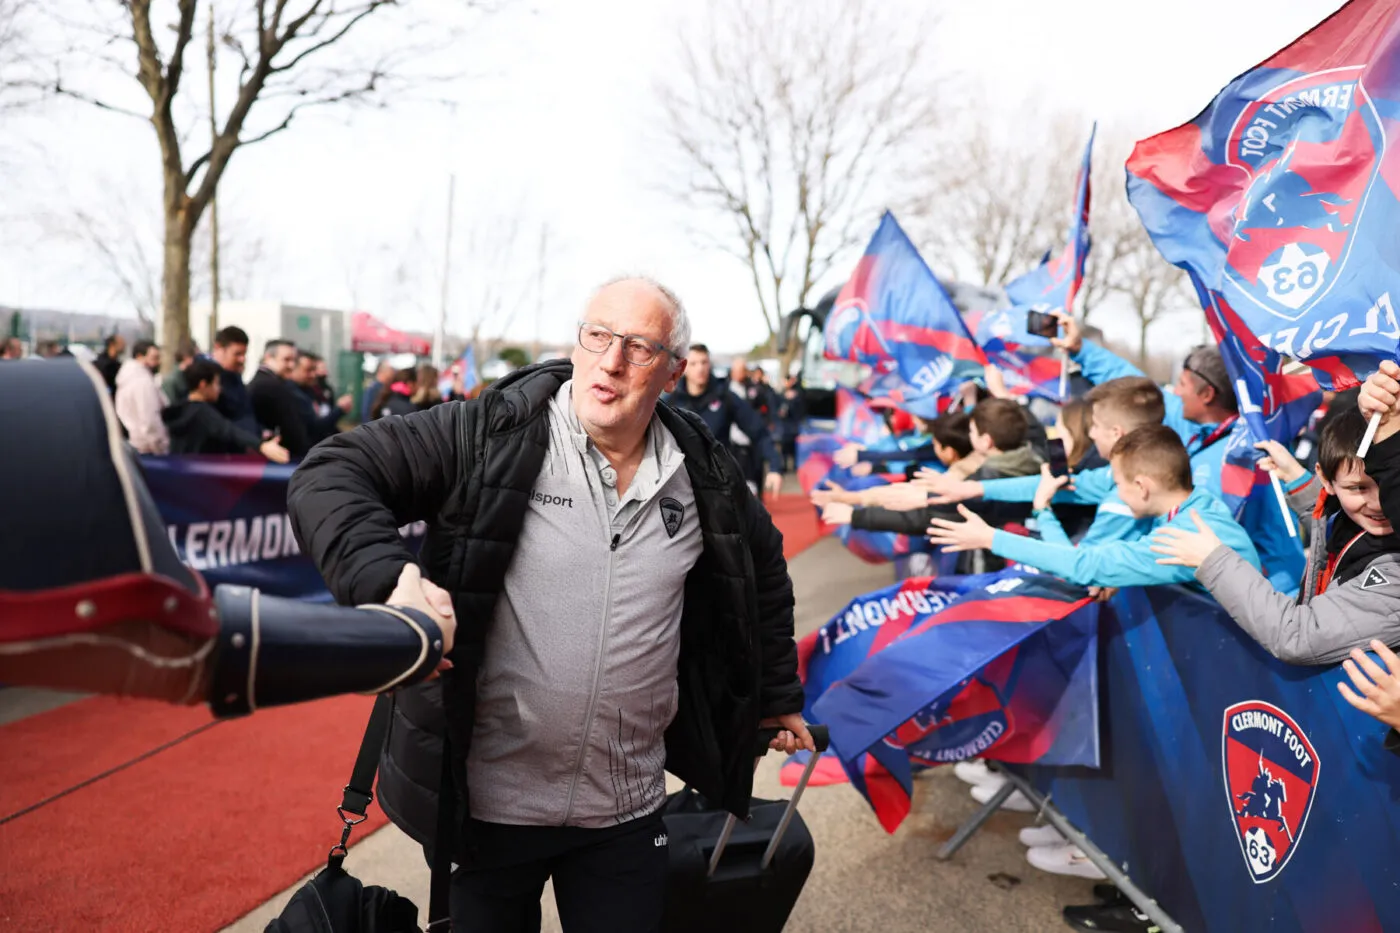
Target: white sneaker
[[1043, 835], [1017, 801], [1064, 860], [975, 771]]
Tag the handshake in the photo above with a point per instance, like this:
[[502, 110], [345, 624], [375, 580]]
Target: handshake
[[414, 592]]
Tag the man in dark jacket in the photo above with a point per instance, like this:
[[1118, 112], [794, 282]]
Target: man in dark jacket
[[722, 409], [277, 402], [109, 361], [644, 587], [231, 353], [320, 411], [197, 426]]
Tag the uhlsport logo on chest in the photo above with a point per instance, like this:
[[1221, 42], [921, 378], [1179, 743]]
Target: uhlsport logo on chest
[[1271, 774]]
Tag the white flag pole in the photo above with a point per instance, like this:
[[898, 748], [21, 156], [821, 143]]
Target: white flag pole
[[1283, 503], [1242, 394], [1369, 436]]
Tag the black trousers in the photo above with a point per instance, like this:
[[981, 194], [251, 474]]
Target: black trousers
[[605, 880]]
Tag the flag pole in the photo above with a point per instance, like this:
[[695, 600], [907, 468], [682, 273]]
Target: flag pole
[[1242, 394], [1370, 436], [1283, 503]]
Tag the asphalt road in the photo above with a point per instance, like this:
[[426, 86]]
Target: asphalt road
[[864, 879]]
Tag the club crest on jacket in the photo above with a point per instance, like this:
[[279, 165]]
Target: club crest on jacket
[[671, 514]]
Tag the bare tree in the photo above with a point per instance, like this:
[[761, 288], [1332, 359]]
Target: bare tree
[[118, 236], [289, 56], [988, 204], [787, 119], [14, 52], [1152, 287]]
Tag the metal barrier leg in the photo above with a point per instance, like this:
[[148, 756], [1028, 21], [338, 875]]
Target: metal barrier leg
[[1057, 819], [966, 830]]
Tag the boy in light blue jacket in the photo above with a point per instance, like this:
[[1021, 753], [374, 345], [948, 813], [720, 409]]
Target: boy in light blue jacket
[[1204, 412], [1152, 473]]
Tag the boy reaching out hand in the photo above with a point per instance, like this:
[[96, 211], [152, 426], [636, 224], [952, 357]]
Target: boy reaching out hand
[[1152, 473], [1351, 591]]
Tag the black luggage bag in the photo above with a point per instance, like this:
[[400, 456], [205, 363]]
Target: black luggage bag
[[732, 876]]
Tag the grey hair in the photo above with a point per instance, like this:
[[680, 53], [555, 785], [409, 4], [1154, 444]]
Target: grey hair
[[678, 340]]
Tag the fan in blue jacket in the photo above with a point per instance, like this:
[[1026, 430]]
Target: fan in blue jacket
[[1153, 476], [1203, 411]]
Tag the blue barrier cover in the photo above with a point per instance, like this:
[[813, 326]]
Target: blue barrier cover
[[227, 518], [1241, 792]]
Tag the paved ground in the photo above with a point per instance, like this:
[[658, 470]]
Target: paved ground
[[864, 880]]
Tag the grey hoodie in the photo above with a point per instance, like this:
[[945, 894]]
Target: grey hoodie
[[1314, 629], [578, 683]]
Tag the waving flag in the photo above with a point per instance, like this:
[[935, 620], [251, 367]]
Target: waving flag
[[1283, 196], [927, 672], [1052, 285], [1034, 376], [1006, 329], [1274, 404], [466, 364], [893, 309], [856, 421]]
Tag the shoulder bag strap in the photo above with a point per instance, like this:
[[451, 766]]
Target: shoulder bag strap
[[359, 793], [440, 887]]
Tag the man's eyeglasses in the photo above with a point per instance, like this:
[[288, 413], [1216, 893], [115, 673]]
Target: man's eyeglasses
[[636, 349]]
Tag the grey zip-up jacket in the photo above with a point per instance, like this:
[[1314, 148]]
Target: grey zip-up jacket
[[578, 683], [1314, 629]]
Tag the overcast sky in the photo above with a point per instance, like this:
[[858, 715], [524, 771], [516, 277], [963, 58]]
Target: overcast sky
[[558, 129]]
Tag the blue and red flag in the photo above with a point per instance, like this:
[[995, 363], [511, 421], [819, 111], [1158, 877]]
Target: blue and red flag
[[856, 421], [1024, 374], [932, 671], [1052, 285], [1282, 197], [893, 309], [1005, 329], [1274, 404]]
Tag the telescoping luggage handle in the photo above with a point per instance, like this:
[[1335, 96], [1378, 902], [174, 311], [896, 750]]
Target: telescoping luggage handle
[[821, 739]]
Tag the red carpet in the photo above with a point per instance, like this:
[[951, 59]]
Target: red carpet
[[200, 832], [191, 838]]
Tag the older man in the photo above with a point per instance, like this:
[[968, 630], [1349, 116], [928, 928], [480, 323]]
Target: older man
[[627, 611]]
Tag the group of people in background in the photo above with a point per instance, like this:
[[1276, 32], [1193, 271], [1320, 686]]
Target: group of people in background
[[204, 405], [757, 425]]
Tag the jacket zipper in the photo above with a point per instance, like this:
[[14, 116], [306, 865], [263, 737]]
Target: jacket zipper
[[603, 638], [587, 732]]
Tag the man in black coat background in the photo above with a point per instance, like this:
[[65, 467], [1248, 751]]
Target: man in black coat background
[[714, 401], [277, 402]]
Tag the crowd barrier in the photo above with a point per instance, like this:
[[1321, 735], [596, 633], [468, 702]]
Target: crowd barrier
[[227, 518], [1240, 792]]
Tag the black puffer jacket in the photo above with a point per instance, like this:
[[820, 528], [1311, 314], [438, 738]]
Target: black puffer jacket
[[467, 469]]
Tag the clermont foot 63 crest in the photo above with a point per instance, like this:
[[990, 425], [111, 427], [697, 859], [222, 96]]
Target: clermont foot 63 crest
[[1270, 777], [1310, 148]]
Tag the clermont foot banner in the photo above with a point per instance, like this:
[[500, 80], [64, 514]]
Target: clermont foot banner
[[227, 517], [932, 671]]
